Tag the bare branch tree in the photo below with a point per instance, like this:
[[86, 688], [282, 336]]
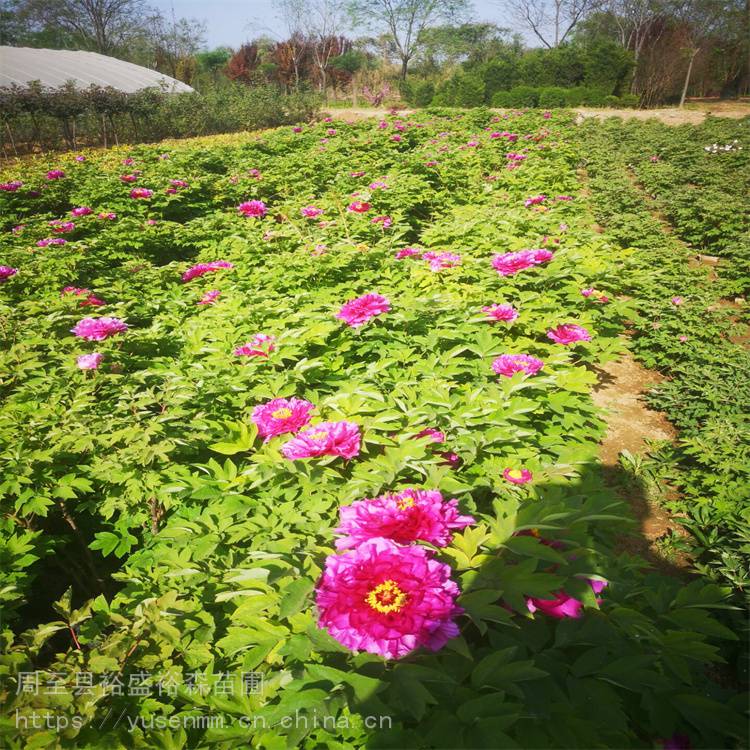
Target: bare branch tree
[[551, 21], [404, 21]]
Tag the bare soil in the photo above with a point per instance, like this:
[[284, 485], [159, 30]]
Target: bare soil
[[693, 113]]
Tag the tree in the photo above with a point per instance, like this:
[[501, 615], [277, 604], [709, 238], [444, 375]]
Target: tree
[[294, 49], [100, 25], [175, 41], [325, 23], [405, 21], [243, 63], [551, 21]]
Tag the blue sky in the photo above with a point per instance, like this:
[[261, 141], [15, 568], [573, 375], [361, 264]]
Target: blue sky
[[232, 22]]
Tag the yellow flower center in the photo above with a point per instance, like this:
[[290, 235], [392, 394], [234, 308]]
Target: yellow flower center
[[387, 597], [515, 473], [405, 502], [535, 532], [282, 413], [321, 435]]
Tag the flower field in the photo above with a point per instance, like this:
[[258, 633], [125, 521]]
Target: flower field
[[299, 445]]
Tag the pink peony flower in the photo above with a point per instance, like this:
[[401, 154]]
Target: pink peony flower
[[51, 241], [324, 439], [179, 183], [588, 292], [129, 178], [6, 272], [568, 334], [281, 415], [10, 187], [55, 174], [451, 459], [81, 211], [310, 212], [18, 228], [378, 185], [509, 364], [385, 221], [256, 209], [98, 329], [357, 312], [441, 261], [547, 115], [358, 207], [128, 161], [296, 129], [209, 297], [677, 301], [108, 215], [62, 227], [563, 605], [203, 268], [387, 600], [357, 174], [80, 158], [505, 313], [89, 361], [436, 436], [508, 264], [261, 345], [535, 200], [518, 476], [407, 516], [141, 193], [407, 252], [90, 300], [396, 138], [682, 339]]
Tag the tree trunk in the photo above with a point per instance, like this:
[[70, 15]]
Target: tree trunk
[[687, 77], [404, 68]]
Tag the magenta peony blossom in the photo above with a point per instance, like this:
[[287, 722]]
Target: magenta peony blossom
[[128, 161], [451, 459], [261, 345], [357, 312], [108, 215], [89, 361], [378, 185], [324, 439], [256, 209], [296, 129], [509, 263], [62, 227], [98, 329], [387, 600], [385, 221], [203, 268], [129, 178], [80, 158], [51, 241], [357, 174], [504, 313], [90, 300], [281, 415], [55, 174], [209, 297], [509, 364], [310, 212], [10, 187], [141, 193], [6, 272], [518, 476], [358, 207], [81, 211], [563, 605], [535, 200], [677, 301], [588, 291], [568, 334], [407, 516], [18, 228], [441, 261], [407, 252], [436, 436], [179, 183]]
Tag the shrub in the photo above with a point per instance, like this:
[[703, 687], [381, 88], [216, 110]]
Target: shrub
[[552, 96], [523, 96]]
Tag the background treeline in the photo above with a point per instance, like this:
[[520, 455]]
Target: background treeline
[[418, 52]]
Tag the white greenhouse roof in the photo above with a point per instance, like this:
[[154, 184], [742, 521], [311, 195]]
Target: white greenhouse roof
[[53, 67]]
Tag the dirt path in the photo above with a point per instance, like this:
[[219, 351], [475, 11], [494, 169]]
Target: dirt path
[[693, 113]]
